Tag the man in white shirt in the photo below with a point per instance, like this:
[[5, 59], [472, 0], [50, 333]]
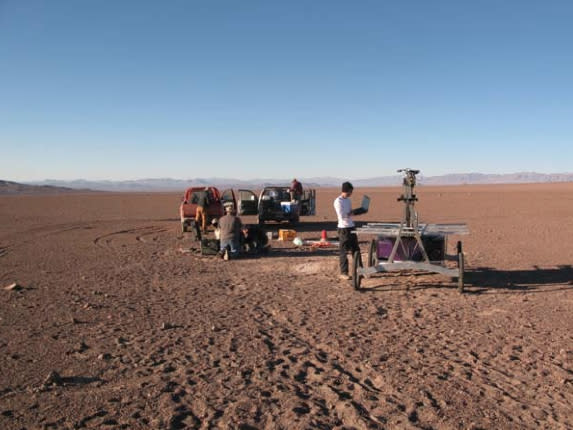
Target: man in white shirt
[[346, 236]]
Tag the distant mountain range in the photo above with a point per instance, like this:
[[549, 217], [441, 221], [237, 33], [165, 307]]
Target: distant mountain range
[[167, 184], [8, 187]]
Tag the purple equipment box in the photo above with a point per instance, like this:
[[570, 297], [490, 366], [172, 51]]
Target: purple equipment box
[[409, 250]]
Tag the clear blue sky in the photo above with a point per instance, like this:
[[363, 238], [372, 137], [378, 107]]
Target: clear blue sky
[[276, 89]]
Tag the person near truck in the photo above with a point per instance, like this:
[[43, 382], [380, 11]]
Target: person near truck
[[348, 241], [230, 231], [201, 212], [255, 240], [295, 190]]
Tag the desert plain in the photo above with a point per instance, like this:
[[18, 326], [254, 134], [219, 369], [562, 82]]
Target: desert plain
[[118, 321]]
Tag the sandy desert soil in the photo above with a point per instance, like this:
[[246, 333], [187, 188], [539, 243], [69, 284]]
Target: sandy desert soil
[[121, 323]]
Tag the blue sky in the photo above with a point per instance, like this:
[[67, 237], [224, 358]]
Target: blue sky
[[276, 89]]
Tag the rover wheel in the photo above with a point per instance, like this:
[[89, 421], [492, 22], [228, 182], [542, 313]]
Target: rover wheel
[[372, 257], [356, 264], [460, 267]]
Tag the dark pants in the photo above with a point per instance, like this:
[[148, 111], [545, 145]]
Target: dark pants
[[348, 243]]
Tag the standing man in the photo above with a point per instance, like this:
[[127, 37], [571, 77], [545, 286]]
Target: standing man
[[230, 230], [295, 190], [201, 212], [346, 236]]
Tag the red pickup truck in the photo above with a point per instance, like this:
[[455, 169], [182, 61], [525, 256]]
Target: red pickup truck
[[246, 204]]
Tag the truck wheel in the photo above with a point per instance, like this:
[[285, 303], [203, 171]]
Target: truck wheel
[[356, 265]]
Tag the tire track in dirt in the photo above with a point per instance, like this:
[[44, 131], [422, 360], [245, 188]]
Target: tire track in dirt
[[496, 374], [359, 393], [154, 231], [139, 234], [326, 381], [162, 375], [459, 372], [23, 237], [312, 379], [32, 236], [151, 365]]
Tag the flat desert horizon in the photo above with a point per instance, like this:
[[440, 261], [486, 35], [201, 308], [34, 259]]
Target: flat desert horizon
[[120, 322]]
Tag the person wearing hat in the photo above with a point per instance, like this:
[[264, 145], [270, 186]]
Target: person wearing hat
[[230, 231], [348, 241]]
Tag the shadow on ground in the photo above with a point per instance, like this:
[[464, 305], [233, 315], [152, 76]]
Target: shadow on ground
[[486, 280], [535, 280]]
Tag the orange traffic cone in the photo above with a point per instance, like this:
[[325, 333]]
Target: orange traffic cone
[[323, 236]]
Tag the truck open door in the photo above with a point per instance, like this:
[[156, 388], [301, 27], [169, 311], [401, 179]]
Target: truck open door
[[248, 203], [308, 202], [228, 196]]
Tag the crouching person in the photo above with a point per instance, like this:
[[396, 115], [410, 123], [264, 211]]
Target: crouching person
[[255, 239], [230, 229]]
